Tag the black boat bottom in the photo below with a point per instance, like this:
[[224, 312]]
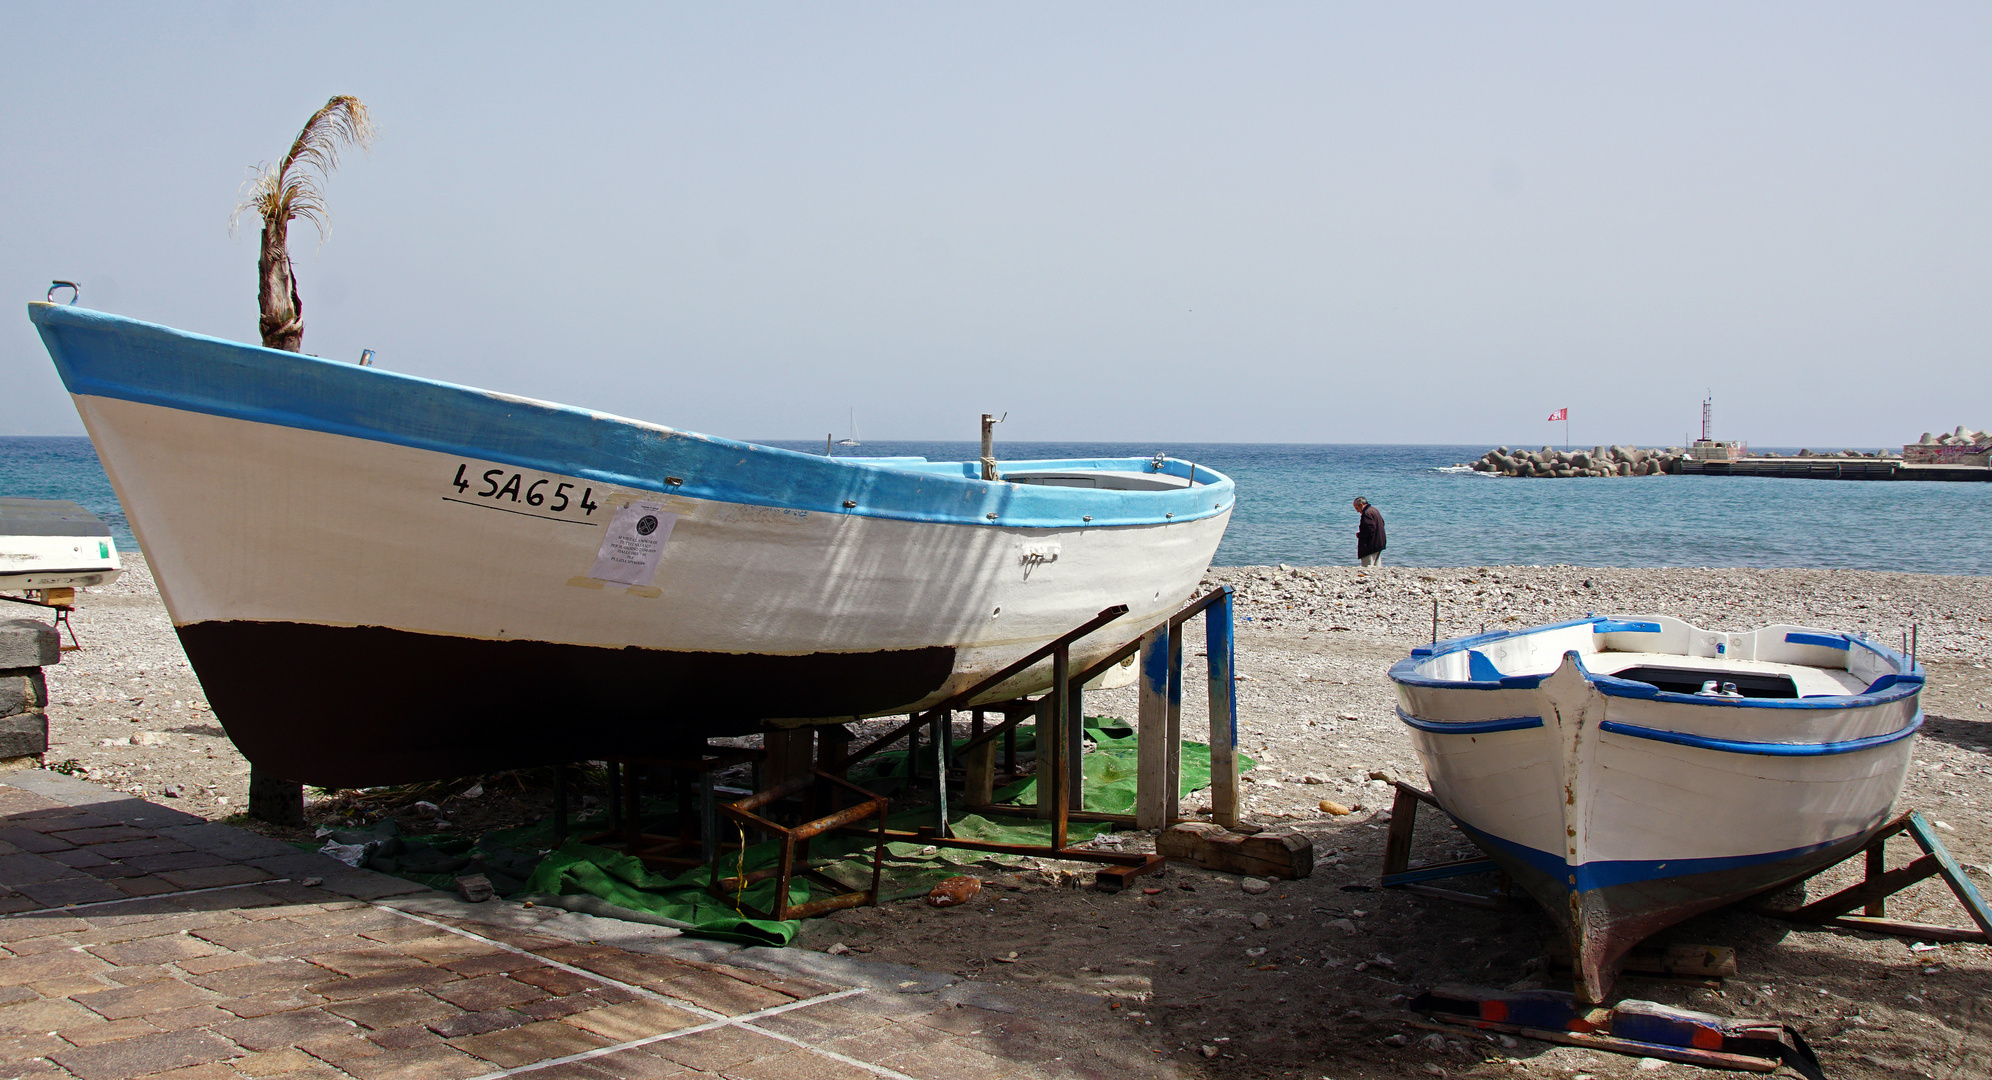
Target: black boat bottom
[[361, 706]]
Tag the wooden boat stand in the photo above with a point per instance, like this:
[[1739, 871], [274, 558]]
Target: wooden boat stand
[[1058, 715], [1398, 873], [1871, 895]]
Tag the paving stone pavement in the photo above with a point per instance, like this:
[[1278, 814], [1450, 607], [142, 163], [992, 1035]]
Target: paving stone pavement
[[139, 941]]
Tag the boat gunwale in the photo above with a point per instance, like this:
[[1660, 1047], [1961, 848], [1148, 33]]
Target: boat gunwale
[[1909, 678], [1765, 749], [849, 487]]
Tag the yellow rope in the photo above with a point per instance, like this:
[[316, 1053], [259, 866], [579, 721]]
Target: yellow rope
[[740, 871]]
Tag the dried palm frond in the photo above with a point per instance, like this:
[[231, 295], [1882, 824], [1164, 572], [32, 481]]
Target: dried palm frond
[[286, 191]]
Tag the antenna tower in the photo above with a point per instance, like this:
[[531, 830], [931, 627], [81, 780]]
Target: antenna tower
[[1708, 403]]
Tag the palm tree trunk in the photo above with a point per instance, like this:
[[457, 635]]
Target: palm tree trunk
[[283, 313]]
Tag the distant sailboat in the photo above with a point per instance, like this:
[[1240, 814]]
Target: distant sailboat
[[853, 439]]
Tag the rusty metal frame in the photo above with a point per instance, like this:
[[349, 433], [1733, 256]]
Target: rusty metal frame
[[819, 788]]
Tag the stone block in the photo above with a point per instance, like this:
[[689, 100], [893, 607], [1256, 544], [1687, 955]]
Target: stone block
[[23, 735], [22, 691], [27, 643]]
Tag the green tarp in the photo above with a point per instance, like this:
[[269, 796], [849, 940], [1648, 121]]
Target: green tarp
[[512, 859]]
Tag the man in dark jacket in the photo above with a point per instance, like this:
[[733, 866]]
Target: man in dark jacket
[[1369, 533]]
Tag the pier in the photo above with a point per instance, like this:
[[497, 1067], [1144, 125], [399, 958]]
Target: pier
[[1834, 468]]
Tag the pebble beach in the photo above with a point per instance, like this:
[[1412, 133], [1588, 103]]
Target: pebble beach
[[1314, 646], [1316, 713]]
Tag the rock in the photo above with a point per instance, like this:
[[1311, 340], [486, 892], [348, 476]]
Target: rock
[[150, 738], [22, 691], [171, 791], [1260, 920], [473, 791], [28, 643], [1377, 774], [1347, 928], [475, 888], [1432, 1068], [1255, 886], [1651, 1064], [838, 949], [1509, 1042], [1333, 808], [1207, 1050], [24, 734], [955, 890], [1434, 1042], [1398, 1040]]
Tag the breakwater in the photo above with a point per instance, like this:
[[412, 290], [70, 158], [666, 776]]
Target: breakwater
[[1598, 461]]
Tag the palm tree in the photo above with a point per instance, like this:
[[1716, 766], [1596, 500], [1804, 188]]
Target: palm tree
[[283, 192]]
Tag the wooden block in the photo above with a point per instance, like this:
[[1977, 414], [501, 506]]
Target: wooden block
[[1211, 846]]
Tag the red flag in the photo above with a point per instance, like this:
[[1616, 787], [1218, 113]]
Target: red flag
[[1560, 414]]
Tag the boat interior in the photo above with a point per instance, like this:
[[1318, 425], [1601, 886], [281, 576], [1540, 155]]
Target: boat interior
[[1773, 662], [1158, 474]]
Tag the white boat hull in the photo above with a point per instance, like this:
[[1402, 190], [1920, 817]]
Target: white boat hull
[[368, 602], [1625, 811]]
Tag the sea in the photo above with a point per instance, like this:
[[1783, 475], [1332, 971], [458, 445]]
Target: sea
[[1293, 507]]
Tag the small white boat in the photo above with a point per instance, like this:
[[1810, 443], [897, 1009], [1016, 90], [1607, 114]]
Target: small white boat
[[54, 544], [1631, 773], [381, 578]]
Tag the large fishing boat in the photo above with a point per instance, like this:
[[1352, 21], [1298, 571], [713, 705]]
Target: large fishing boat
[[381, 578], [1631, 773]]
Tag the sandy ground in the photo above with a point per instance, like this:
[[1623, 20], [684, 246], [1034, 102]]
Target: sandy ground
[[1263, 985]]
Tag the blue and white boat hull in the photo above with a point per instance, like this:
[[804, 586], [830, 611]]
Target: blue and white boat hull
[[380, 578], [1625, 807]]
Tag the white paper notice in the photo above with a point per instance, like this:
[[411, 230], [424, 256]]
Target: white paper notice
[[634, 544]]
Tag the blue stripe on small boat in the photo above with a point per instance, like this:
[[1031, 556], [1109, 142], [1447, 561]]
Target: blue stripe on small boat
[[1470, 727], [1605, 874], [1479, 668], [101, 355], [1770, 749], [1607, 626], [1831, 641]]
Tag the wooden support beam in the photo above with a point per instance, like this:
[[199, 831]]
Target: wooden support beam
[[1154, 786], [791, 754], [1049, 743], [1222, 668], [978, 776], [1847, 899], [1954, 876]]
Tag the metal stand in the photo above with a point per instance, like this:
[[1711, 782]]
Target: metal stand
[[1871, 895], [1398, 873], [819, 790], [62, 602]]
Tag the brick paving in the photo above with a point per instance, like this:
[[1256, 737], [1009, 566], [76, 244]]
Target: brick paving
[[137, 941]]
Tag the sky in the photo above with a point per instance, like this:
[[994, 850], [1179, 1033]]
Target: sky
[[1316, 223]]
